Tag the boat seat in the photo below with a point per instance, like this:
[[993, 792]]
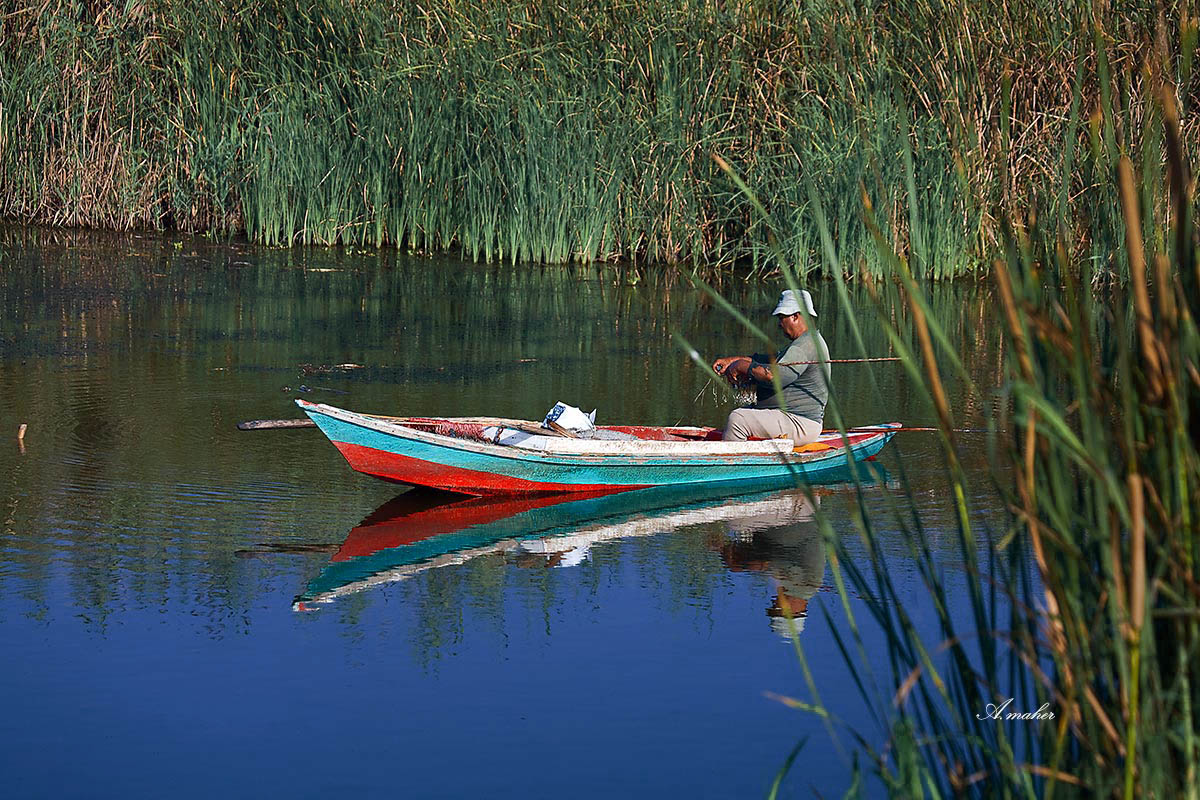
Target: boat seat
[[646, 433], [609, 435]]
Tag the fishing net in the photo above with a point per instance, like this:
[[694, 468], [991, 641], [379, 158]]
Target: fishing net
[[460, 430], [745, 395]]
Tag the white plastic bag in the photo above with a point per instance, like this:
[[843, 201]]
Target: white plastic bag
[[570, 418]]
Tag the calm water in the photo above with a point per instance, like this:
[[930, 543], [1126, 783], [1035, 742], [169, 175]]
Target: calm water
[[191, 610]]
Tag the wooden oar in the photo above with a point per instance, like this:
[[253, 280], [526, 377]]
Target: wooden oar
[[275, 424], [518, 424]]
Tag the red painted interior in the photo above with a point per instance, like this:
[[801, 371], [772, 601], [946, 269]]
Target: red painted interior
[[646, 432], [412, 471]]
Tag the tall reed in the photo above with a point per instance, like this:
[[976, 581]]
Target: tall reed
[[562, 131], [1089, 602]]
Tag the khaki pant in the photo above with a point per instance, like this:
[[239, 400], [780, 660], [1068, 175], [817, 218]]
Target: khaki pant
[[770, 423]]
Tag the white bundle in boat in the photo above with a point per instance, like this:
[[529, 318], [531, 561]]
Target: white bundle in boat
[[571, 418], [582, 425]]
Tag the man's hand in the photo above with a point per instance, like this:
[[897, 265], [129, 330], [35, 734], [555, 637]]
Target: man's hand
[[722, 364], [739, 370]]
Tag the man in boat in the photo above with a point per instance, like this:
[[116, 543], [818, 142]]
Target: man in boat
[[797, 409]]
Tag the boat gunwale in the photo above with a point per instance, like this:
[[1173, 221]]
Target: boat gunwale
[[775, 455]]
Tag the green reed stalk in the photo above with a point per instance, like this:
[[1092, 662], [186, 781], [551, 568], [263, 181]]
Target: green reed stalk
[[571, 131], [1089, 599]]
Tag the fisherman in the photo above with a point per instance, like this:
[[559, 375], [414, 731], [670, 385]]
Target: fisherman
[[797, 409]]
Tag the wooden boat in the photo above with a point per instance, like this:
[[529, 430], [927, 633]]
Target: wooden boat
[[494, 456]]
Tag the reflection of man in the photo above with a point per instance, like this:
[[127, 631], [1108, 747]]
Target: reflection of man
[[782, 540]]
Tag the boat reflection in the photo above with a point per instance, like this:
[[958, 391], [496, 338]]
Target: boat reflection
[[772, 532]]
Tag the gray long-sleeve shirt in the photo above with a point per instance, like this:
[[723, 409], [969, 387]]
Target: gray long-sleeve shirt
[[804, 391]]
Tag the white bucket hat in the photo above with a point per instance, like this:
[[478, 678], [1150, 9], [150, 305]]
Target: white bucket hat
[[788, 304], [784, 626]]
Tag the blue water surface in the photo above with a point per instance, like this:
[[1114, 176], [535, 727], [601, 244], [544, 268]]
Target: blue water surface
[[178, 616]]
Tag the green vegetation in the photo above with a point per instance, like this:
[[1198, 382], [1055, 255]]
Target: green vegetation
[[571, 130], [1089, 603]]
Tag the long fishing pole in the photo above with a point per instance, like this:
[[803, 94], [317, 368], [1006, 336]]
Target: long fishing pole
[[839, 361], [826, 361], [831, 361], [866, 428]]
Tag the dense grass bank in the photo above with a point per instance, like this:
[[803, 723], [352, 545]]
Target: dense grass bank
[[571, 130]]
